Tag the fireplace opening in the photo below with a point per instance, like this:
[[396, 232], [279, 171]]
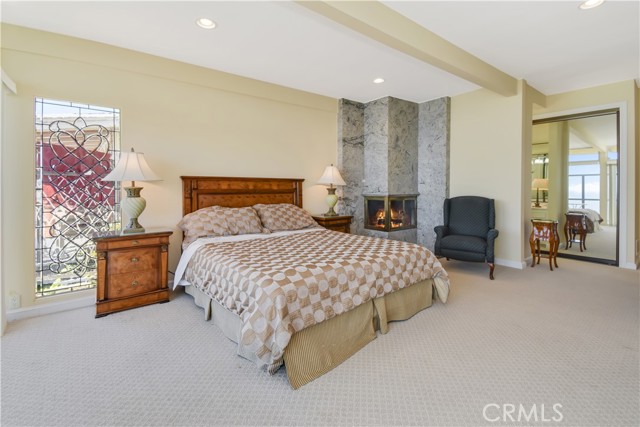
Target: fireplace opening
[[390, 213]]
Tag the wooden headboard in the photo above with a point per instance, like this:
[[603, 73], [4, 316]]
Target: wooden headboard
[[202, 191]]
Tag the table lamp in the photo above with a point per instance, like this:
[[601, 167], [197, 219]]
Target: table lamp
[[331, 177], [132, 167], [539, 184]]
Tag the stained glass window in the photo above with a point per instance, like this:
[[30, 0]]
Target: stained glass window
[[76, 145]]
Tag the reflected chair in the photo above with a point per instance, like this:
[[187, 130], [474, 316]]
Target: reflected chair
[[468, 233]]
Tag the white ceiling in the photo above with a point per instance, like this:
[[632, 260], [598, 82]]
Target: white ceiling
[[598, 132], [554, 45]]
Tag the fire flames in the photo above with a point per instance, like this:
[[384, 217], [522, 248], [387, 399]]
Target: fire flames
[[398, 218]]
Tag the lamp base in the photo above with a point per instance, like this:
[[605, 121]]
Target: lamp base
[[330, 212], [133, 227], [133, 205], [331, 200]]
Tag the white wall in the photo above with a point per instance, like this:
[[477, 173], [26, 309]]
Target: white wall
[[186, 119], [486, 160]]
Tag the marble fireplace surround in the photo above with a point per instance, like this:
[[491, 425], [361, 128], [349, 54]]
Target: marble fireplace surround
[[392, 146]]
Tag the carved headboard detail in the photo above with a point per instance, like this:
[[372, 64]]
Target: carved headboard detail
[[202, 191]]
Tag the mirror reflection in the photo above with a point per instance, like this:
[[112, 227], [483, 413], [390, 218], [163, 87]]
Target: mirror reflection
[[540, 181], [574, 180]]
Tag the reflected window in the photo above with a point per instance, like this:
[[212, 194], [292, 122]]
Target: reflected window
[[584, 181], [583, 157]]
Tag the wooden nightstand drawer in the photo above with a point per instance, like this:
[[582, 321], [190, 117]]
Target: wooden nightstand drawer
[[133, 260], [132, 270], [336, 223], [127, 284], [134, 242]]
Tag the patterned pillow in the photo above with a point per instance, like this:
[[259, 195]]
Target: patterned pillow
[[284, 216], [242, 221], [205, 222]]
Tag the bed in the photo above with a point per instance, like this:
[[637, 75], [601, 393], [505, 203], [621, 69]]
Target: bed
[[305, 297]]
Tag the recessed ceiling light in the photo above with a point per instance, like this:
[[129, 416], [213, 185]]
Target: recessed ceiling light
[[590, 4], [378, 80], [206, 23]]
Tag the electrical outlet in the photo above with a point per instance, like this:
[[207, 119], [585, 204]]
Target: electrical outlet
[[14, 301]]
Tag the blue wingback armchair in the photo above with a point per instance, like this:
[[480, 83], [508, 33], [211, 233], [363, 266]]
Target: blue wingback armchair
[[468, 233]]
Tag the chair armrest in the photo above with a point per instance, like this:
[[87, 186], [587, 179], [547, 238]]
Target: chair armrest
[[491, 237], [441, 231]]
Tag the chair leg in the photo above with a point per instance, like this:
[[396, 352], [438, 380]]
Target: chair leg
[[491, 267]]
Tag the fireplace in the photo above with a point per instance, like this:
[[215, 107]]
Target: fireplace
[[390, 213]]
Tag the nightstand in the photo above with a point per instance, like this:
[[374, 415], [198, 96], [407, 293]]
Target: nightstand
[[546, 230], [132, 270], [336, 223]]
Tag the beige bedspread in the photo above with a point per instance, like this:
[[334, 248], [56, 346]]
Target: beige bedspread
[[283, 283]]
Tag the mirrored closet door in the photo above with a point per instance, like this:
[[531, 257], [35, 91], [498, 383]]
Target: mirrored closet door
[[574, 180]]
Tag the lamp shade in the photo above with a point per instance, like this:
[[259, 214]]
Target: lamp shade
[[540, 184], [131, 167], [331, 176]]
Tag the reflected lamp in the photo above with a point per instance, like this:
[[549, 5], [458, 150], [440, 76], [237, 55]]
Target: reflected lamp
[[539, 184]]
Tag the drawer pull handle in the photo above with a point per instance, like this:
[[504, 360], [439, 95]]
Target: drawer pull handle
[[134, 283], [134, 259], [135, 243]]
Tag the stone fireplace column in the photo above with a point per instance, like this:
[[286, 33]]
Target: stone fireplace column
[[351, 162], [433, 167]]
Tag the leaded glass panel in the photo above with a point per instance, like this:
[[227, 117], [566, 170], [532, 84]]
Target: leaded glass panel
[[76, 145]]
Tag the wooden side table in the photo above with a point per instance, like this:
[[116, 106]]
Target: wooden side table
[[132, 270], [336, 223], [575, 225], [544, 229]]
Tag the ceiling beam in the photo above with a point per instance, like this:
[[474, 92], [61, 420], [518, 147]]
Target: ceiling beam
[[383, 24], [536, 96]]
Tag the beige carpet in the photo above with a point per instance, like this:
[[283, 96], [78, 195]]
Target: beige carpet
[[531, 337]]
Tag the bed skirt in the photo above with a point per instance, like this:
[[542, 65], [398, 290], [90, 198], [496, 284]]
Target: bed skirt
[[315, 351]]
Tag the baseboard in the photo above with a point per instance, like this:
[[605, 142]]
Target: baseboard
[[521, 265], [56, 307], [629, 265]]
